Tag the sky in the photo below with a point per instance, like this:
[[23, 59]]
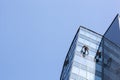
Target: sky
[[35, 35]]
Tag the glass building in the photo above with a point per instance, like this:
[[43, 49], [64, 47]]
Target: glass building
[[92, 56]]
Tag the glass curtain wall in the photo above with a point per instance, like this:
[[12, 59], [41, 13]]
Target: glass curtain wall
[[91, 57], [111, 67], [84, 66]]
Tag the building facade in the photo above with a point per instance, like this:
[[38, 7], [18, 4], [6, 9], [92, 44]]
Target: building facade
[[92, 56]]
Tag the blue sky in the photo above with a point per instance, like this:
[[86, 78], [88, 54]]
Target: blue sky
[[35, 35]]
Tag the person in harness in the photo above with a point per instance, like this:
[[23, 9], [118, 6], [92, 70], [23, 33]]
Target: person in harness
[[97, 56], [84, 50], [109, 62]]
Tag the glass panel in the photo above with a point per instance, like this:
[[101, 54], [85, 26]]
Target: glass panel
[[90, 76], [78, 48], [75, 70], [99, 68], [84, 61], [90, 64], [82, 73], [97, 78], [71, 79], [87, 43], [80, 60], [88, 34]]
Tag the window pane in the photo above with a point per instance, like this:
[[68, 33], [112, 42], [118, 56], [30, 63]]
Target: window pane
[[75, 70]]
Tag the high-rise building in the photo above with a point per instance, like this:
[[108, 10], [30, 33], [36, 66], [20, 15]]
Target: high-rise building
[[92, 56]]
